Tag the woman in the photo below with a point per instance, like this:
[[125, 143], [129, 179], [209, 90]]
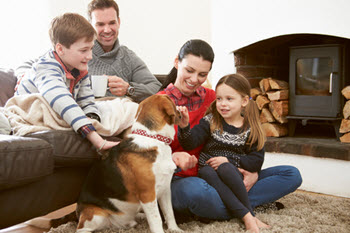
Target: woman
[[191, 194]]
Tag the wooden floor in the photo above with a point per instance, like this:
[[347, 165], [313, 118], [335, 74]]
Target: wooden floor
[[23, 228]]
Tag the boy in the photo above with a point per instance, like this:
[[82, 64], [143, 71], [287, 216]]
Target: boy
[[61, 76]]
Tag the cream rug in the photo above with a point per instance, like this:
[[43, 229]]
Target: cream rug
[[303, 212]]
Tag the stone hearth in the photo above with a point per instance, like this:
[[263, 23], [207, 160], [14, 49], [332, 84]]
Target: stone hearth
[[316, 147]]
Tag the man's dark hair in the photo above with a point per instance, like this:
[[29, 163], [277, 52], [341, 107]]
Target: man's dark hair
[[102, 4]]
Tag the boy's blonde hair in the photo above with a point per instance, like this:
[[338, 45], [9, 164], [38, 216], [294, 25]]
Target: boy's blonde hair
[[69, 28], [250, 112]]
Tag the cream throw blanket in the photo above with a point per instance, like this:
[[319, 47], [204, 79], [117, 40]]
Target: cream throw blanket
[[32, 113]]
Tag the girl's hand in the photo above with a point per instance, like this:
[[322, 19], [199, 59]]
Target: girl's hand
[[215, 162], [184, 116]]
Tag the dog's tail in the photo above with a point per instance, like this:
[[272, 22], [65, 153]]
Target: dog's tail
[[47, 223]]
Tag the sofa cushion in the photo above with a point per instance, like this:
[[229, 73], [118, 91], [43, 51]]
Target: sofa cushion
[[69, 148], [23, 160], [8, 82]]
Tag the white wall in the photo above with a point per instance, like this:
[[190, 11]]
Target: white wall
[[24, 27], [154, 29], [237, 23]]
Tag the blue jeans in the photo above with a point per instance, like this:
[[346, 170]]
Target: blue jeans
[[193, 195]]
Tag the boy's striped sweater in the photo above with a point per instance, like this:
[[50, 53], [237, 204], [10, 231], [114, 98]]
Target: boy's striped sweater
[[70, 97]]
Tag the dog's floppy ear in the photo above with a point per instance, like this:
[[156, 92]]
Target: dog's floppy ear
[[161, 107], [170, 109], [143, 116]]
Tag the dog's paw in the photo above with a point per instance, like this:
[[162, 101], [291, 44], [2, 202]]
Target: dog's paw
[[175, 229], [140, 216], [132, 224]]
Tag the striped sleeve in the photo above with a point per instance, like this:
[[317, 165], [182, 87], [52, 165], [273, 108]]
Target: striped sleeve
[[85, 97], [50, 81]]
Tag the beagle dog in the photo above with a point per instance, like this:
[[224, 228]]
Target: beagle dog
[[135, 175]]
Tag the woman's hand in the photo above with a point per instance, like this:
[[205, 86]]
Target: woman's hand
[[249, 178], [215, 162], [184, 116], [184, 160]]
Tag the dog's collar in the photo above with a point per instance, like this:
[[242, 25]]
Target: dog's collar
[[161, 138]]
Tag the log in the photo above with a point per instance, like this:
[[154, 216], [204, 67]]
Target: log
[[264, 85], [278, 84], [346, 92], [254, 92], [262, 101], [266, 116], [345, 138], [278, 95], [279, 110], [274, 129], [344, 126], [346, 110]]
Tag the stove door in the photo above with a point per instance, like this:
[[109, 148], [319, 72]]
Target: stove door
[[315, 78]]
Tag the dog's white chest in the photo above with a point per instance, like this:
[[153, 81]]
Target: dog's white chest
[[163, 168]]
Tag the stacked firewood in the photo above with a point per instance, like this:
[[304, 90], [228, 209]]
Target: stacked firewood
[[345, 123], [271, 98]]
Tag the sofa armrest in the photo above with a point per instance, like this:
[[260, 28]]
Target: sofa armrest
[[23, 160]]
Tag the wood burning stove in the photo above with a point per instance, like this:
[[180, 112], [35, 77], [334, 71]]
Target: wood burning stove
[[315, 81]]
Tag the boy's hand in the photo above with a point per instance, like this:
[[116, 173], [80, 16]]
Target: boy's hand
[[184, 116], [100, 143], [109, 145], [117, 85]]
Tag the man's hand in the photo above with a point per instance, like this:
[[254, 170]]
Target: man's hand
[[215, 162], [249, 179], [117, 86], [184, 160]]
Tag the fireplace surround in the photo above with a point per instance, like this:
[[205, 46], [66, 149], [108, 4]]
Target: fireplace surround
[[315, 66]]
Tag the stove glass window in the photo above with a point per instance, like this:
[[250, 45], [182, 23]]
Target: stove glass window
[[313, 76]]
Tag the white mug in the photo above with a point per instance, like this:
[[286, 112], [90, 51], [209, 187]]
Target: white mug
[[99, 85]]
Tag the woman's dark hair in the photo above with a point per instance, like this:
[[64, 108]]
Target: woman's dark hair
[[197, 48]]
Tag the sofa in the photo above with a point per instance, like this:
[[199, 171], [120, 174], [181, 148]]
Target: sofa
[[39, 172]]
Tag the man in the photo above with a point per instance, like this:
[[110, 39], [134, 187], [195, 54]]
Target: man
[[127, 73]]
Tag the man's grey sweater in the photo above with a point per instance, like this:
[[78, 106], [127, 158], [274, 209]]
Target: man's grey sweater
[[124, 63]]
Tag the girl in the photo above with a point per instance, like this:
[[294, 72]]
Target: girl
[[233, 138]]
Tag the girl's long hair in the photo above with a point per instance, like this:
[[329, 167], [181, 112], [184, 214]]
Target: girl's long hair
[[198, 48], [250, 112]]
